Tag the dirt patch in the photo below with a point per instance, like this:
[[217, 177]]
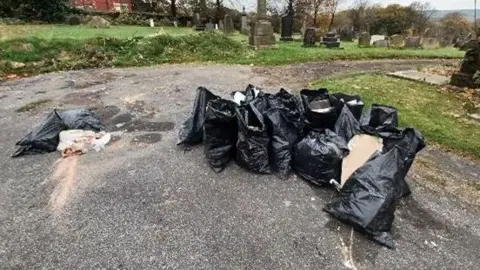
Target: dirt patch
[[149, 138], [119, 121], [136, 106], [140, 125], [106, 112], [32, 105], [302, 74], [83, 98]]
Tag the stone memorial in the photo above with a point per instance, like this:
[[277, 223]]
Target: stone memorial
[[310, 37], [228, 25], [346, 35], [209, 27], [220, 25], [330, 40], [244, 26], [364, 40], [397, 41], [287, 23], [412, 42], [469, 69], [199, 26], [380, 43], [430, 43], [375, 38], [262, 34]]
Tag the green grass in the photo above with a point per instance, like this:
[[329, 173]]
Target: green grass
[[46, 48], [421, 106], [82, 32]]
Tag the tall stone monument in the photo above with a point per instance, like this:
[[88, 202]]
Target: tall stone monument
[[244, 28], [261, 36], [287, 23]]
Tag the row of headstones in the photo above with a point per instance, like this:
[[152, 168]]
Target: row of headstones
[[226, 25], [397, 41], [329, 40]]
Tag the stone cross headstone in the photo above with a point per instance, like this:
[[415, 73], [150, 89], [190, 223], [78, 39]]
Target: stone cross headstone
[[364, 40], [397, 41], [263, 31], [310, 37], [209, 27], [244, 26], [287, 23], [244, 19], [412, 42], [228, 25]]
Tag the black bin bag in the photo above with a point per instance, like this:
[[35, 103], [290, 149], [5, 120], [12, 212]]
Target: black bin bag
[[353, 102], [45, 137], [347, 125], [379, 117], [284, 128], [368, 198], [318, 157], [191, 130], [320, 108], [253, 140], [410, 141], [221, 133]]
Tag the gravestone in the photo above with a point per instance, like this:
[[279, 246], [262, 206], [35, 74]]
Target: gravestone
[[330, 40], [380, 44], [209, 27], [346, 35], [430, 43], [220, 25], [397, 41], [412, 42], [469, 68], [375, 38], [310, 37], [364, 40], [228, 25], [287, 23], [263, 31], [244, 26], [199, 26], [189, 23]]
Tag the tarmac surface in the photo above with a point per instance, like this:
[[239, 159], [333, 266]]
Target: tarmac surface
[[144, 203]]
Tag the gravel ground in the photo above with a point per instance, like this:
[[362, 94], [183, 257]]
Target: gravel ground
[[146, 204]]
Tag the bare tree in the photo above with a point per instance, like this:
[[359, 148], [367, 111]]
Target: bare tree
[[420, 15], [333, 11]]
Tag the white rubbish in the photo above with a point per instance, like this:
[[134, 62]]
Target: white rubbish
[[355, 102], [77, 142], [238, 98], [326, 110]]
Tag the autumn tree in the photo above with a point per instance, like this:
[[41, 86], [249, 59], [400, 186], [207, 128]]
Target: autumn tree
[[419, 16], [392, 20]]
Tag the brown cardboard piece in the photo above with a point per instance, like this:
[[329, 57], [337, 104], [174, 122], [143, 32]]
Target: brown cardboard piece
[[362, 147]]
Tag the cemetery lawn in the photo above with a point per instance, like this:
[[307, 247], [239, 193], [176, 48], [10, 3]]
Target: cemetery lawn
[[82, 32], [47, 48], [438, 114]]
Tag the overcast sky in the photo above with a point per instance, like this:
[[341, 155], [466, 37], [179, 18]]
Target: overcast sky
[[437, 4]]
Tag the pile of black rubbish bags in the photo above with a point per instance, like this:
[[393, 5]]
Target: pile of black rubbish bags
[[309, 134]]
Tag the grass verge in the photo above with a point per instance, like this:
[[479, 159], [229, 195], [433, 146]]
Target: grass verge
[[438, 114], [49, 49]]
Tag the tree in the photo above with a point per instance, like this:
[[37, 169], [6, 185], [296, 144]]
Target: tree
[[419, 15], [50, 11], [333, 8], [454, 25], [392, 20], [310, 8]]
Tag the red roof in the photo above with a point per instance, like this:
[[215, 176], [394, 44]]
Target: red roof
[[104, 5]]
